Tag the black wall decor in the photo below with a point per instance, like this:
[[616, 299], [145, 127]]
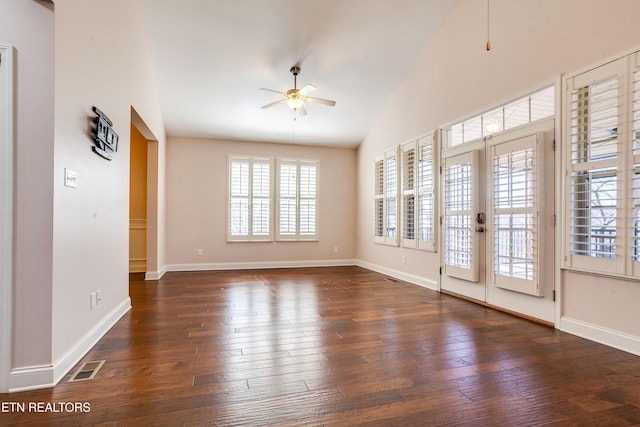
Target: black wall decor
[[104, 136]]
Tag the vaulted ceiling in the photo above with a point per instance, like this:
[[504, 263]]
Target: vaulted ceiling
[[211, 57]]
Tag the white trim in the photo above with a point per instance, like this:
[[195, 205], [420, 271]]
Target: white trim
[[155, 275], [558, 209], [600, 334], [37, 377], [6, 214], [259, 265], [416, 280]]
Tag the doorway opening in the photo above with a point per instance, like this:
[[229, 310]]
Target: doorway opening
[[143, 199]]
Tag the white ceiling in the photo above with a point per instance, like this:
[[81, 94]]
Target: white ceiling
[[211, 57]]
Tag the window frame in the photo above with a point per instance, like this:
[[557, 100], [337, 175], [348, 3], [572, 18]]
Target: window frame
[[384, 193], [250, 236], [418, 184], [622, 166]]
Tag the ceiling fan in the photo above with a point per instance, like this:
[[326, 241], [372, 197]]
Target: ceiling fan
[[295, 98]]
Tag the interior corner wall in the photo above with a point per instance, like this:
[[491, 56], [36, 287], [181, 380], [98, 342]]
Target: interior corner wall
[[533, 43], [101, 60], [29, 27], [197, 183]]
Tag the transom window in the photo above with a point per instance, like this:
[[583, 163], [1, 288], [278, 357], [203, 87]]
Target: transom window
[[536, 106]]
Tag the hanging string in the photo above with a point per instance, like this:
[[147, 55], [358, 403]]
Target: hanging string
[[488, 27]]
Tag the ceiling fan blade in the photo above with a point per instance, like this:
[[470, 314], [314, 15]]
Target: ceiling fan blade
[[282, 101], [302, 110], [271, 90], [320, 101], [307, 89]]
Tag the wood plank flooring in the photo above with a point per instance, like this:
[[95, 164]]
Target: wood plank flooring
[[338, 347]]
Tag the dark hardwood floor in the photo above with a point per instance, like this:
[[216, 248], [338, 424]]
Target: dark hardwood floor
[[334, 346]]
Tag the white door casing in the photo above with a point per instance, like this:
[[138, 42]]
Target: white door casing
[[6, 213]]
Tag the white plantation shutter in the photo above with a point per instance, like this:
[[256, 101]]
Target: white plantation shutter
[[239, 198], [515, 205], [409, 194], [418, 207], [261, 191], [425, 193], [460, 207], [596, 169], [378, 199], [249, 199], [287, 199], [386, 206], [297, 200], [308, 199], [635, 175]]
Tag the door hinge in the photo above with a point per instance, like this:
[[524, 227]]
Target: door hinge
[[441, 271], [440, 170], [554, 220], [554, 145], [554, 294]]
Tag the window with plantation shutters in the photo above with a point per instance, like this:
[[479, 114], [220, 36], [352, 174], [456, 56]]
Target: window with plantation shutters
[[634, 228], [297, 200], [386, 205], [250, 187], [418, 193], [603, 169]]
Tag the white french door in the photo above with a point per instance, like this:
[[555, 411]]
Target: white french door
[[497, 230]]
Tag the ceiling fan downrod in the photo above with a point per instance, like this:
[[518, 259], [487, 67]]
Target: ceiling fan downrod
[[295, 70]]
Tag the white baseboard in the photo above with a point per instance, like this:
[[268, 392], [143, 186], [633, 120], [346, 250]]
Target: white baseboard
[[155, 275], [260, 265], [600, 334], [45, 376], [31, 378], [416, 280]]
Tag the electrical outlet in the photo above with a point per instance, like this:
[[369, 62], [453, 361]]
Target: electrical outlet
[[336, 249], [199, 252], [404, 259], [92, 300]]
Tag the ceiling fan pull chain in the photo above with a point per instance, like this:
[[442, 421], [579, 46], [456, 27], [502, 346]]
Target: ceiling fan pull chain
[[488, 42]]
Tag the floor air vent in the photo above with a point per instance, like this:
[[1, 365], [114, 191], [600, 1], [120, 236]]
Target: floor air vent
[[87, 371]]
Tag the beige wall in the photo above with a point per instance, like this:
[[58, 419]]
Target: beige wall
[[70, 242], [101, 60], [533, 42], [197, 205], [34, 99]]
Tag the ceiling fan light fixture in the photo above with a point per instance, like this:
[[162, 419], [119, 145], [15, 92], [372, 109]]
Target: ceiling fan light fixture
[[295, 103]]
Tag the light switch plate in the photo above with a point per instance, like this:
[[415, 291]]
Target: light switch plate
[[70, 178]]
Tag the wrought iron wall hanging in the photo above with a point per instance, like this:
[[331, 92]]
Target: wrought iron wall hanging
[[105, 138]]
